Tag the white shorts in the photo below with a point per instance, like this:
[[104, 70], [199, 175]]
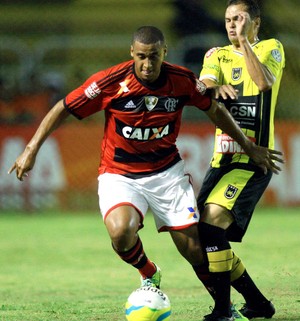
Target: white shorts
[[169, 195]]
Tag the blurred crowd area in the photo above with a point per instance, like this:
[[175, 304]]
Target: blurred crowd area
[[49, 47]]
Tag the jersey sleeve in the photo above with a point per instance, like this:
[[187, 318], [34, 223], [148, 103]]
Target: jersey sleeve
[[201, 98], [87, 99], [211, 66], [273, 56]]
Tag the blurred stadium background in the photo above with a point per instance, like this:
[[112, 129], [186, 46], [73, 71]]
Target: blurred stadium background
[[47, 48]]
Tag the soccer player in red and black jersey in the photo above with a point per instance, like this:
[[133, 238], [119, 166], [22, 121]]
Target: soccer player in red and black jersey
[[140, 166]]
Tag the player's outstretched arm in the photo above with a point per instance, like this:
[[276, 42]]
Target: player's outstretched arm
[[264, 157], [221, 91], [25, 162]]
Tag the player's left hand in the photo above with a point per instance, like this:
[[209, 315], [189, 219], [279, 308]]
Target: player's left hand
[[266, 158], [225, 92]]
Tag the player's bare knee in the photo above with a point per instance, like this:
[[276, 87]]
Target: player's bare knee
[[123, 237]]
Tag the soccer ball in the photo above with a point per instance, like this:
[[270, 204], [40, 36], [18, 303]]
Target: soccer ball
[[148, 304]]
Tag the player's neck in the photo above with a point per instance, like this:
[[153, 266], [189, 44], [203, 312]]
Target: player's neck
[[253, 42]]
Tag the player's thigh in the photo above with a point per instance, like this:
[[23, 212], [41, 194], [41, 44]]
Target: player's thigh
[[172, 199], [117, 191], [216, 215]]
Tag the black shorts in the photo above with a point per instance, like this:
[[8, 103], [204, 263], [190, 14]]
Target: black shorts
[[237, 187]]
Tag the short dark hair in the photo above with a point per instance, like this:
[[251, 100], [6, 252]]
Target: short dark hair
[[252, 6], [148, 35]]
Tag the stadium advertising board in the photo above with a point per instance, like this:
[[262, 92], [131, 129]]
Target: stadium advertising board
[[67, 165]]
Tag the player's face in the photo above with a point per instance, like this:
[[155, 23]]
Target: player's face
[[238, 22], [148, 59]]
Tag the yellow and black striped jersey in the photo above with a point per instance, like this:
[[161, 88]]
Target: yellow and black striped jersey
[[254, 110]]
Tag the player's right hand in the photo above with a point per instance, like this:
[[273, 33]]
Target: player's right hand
[[23, 164], [243, 24]]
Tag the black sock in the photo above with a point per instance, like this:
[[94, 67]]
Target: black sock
[[204, 276], [220, 258], [252, 295], [221, 285]]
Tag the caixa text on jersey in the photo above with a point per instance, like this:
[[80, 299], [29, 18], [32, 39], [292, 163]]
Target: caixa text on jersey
[[149, 133]]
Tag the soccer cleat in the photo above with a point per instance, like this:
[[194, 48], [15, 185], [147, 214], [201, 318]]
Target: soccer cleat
[[265, 310], [154, 281], [216, 316], [237, 314]]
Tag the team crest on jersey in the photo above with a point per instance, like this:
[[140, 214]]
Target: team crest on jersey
[[151, 102], [171, 104], [230, 191], [236, 73]]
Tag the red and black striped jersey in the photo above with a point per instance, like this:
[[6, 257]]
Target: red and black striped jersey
[[142, 120]]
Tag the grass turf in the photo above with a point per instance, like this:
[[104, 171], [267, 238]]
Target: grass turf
[[62, 267]]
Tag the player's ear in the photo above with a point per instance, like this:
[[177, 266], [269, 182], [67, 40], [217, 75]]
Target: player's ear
[[257, 22], [166, 51], [131, 51]]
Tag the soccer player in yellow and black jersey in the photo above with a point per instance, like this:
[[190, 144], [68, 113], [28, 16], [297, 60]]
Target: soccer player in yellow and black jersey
[[247, 74]]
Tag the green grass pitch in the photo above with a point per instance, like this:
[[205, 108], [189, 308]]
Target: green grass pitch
[[61, 267]]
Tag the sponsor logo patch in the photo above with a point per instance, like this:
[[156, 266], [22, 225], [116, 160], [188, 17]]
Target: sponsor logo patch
[[211, 248], [276, 55], [193, 213], [145, 134], [210, 52], [130, 104], [227, 145], [92, 91], [124, 87], [200, 86]]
